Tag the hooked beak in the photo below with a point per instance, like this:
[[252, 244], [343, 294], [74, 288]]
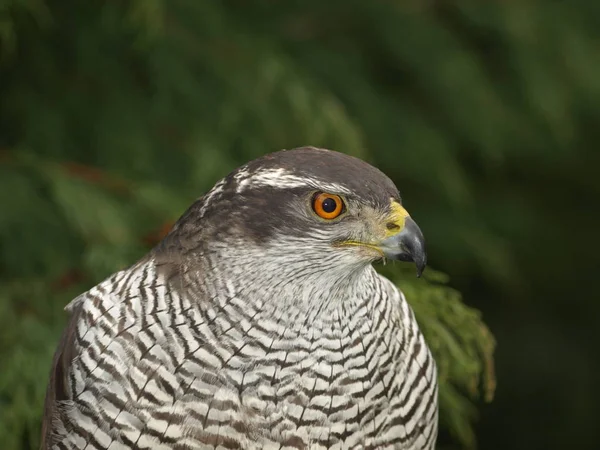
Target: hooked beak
[[408, 244]]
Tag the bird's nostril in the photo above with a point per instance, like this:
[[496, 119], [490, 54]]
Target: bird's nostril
[[392, 226]]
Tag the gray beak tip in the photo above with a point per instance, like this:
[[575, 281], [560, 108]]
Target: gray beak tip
[[420, 260]]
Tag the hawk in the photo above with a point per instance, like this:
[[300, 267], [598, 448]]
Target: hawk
[[258, 322]]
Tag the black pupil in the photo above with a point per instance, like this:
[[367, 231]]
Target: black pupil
[[329, 205]]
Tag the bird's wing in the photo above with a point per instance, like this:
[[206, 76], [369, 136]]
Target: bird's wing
[[99, 309], [57, 392]]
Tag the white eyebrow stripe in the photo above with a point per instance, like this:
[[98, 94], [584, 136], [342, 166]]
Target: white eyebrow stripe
[[281, 178]]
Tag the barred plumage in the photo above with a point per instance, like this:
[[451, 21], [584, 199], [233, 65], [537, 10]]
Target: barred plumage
[[226, 336]]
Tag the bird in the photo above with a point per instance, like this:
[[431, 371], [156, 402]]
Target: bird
[[258, 322]]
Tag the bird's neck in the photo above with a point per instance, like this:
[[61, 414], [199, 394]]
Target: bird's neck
[[292, 292]]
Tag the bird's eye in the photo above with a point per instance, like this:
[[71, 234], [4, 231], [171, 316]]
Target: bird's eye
[[328, 206]]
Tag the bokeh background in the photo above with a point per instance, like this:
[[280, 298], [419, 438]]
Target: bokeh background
[[116, 115]]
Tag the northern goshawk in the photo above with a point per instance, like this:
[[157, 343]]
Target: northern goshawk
[[258, 322]]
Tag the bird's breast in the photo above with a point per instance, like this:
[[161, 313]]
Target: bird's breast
[[170, 371]]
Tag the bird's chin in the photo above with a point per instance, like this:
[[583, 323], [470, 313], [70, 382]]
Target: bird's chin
[[364, 253]]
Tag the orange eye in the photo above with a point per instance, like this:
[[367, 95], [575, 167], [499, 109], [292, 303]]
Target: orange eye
[[328, 206]]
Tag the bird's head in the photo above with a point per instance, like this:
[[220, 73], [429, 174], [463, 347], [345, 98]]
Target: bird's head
[[317, 206]]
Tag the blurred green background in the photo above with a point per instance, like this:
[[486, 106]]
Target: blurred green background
[[116, 115]]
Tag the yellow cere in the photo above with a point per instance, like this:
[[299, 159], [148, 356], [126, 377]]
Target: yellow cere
[[398, 216]]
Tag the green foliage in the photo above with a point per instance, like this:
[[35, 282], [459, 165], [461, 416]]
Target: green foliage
[[114, 116]]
